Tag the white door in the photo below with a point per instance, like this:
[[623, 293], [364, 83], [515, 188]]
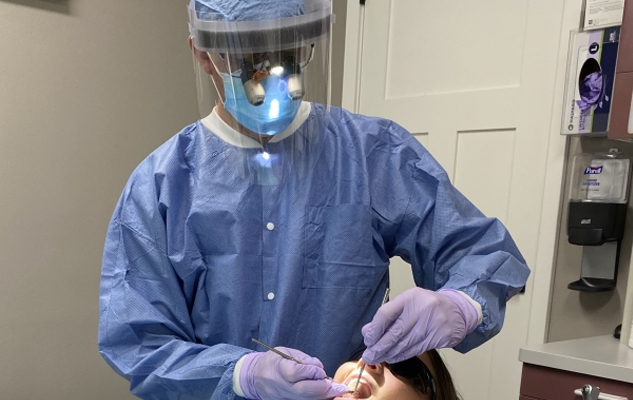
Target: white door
[[474, 81]]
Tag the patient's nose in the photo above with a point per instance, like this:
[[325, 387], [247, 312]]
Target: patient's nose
[[375, 369]]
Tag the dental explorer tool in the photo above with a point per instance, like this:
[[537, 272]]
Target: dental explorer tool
[[284, 355], [362, 367]]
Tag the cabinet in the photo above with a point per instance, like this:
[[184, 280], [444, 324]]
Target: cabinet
[[621, 126], [553, 371], [545, 383]]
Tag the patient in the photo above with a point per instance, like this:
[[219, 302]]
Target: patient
[[421, 378]]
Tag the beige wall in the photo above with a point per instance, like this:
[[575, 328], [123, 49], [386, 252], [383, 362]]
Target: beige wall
[[578, 314], [87, 89], [339, 8]]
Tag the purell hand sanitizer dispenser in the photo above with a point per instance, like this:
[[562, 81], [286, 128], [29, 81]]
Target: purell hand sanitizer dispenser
[[597, 210]]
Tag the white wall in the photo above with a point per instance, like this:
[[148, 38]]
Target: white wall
[[87, 89]]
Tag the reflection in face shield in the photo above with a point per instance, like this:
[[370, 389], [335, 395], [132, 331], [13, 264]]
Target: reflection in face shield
[[263, 91], [271, 116]]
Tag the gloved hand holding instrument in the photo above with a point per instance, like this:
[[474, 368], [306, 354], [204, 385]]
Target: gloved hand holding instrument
[[416, 321], [284, 373]]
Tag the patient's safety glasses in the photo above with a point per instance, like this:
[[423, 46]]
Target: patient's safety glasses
[[415, 372]]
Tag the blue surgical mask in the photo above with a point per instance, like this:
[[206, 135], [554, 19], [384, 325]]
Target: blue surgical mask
[[269, 118]]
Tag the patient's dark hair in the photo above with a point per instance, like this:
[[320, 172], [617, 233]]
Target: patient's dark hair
[[443, 381]]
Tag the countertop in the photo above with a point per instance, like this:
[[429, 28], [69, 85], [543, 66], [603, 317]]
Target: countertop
[[602, 356]]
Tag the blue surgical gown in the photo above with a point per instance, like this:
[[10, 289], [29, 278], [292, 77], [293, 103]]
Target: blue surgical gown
[[198, 259]]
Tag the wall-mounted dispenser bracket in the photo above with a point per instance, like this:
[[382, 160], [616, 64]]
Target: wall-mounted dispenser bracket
[[599, 268]]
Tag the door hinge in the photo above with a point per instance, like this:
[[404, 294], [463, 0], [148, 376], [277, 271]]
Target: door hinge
[[362, 2]]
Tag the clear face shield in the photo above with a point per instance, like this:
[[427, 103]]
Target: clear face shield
[[270, 81]]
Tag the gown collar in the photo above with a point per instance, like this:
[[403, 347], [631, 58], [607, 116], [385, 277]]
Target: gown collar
[[221, 129]]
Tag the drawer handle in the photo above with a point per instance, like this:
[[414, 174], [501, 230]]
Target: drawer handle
[[603, 396]]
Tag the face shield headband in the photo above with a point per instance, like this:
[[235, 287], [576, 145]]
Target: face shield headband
[[263, 36]]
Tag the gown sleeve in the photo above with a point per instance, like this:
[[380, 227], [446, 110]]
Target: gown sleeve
[[145, 331], [446, 239]]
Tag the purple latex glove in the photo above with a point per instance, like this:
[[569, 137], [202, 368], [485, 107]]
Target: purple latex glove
[[416, 321], [268, 376], [590, 91]]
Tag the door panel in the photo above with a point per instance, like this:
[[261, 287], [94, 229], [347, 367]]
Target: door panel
[[483, 169], [475, 82], [495, 49]]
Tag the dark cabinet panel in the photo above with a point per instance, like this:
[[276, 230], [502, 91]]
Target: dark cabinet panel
[[621, 106], [553, 384], [623, 88]]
